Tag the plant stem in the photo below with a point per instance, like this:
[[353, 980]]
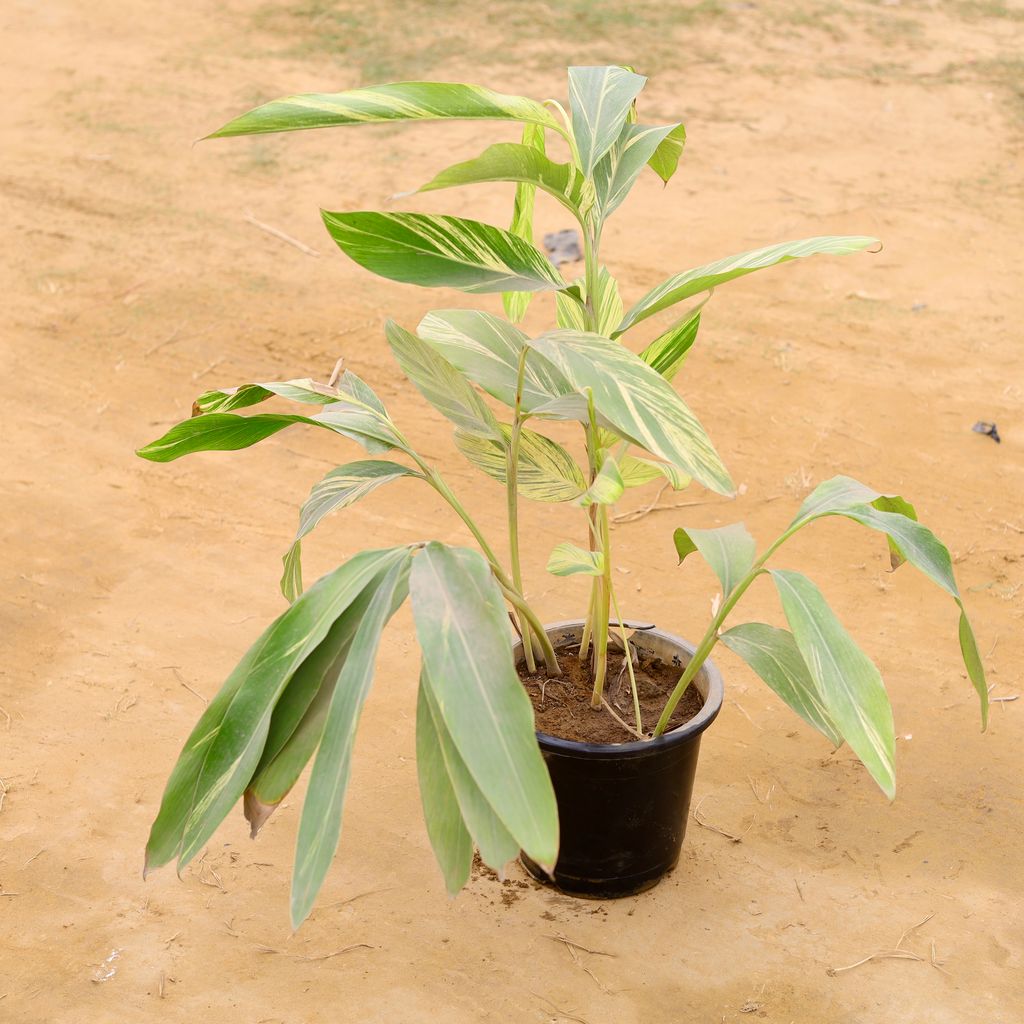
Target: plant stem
[[512, 493], [629, 660], [546, 649], [602, 613], [710, 638]]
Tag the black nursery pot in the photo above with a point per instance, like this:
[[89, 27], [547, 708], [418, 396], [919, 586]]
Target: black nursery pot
[[623, 808]]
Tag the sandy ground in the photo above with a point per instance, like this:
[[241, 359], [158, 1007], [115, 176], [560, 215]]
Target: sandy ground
[[133, 282]]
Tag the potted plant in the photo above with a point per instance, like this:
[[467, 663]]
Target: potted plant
[[638, 699]]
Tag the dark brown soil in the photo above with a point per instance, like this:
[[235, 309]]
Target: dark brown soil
[[562, 704]]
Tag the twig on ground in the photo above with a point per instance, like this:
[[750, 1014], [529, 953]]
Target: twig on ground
[[896, 953], [301, 246], [7, 718], [704, 823], [768, 793], [311, 957], [181, 679], [572, 945], [208, 369], [3, 793], [352, 899], [564, 1014]]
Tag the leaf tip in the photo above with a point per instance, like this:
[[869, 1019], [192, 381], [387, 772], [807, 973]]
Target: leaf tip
[[256, 812]]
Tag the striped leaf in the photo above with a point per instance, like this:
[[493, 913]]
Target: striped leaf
[[307, 391], [547, 472], [668, 351], [666, 157], [908, 541], [700, 279], [618, 169], [486, 349], [338, 489], [442, 252], [440, 383], [297, 722], [398, 101], [569, 560], [320, 825], [848, 681], [512, 161], [600, 99], [606, 488], [516, 303], [638, 402], [467, 652], [773, 654], [608, 307], [224, 749], [729, 550], [452, 843], [636, 472], [496, 846]]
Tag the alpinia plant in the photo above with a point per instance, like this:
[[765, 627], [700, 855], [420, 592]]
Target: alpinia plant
[[296, 696]]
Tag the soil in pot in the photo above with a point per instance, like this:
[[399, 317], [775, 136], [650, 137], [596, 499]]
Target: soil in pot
[[562, 704]]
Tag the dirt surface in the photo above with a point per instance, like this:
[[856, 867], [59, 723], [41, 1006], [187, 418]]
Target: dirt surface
[[562, 706], [133, 281]]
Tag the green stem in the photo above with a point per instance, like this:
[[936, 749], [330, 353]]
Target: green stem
[[629, 660], [603, 613], [512, 494], [546, 649], [710, 638]]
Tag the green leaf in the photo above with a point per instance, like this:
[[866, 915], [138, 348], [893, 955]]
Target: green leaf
[[398, 101], [773, 654], [908, 541], [222, 431], [619, 168], [516, 303], [850, 685], [440, 383], [486, 349], [547, 472], [609, 306], [569, 560], [600, 99], [729, 550], [639, 403], [449, 838], [463, 631], [442, 252], [668, 351], [636, 472], [700, 279], [224, 749], [512, 161], [297, 722], [496, 846], [320, 825], [338, 489], [308, 391], [607, 486], [666, 157]]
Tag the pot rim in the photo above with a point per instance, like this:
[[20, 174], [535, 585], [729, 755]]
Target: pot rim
[[635, 748]]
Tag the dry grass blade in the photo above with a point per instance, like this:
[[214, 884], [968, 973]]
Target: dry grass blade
[[896, 953], [573, 945], [301, 246], [704, 823], [312, 957]]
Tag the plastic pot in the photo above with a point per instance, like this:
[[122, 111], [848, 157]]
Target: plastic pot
[[623, 808]]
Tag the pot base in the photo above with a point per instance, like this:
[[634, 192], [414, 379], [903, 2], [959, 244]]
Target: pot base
[[595, 888]]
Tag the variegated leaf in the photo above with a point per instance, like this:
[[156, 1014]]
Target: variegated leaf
[[848, 681], [608, 307], [666, 157], [668, 351], [619, 168], [440, 383], [600, 99], [690, 282], [638, 402], [908, 541], [229, 399], [637, 471], [511, 161], [337, 490], [773, 654], [516, 303], [463, 632], [606, 488], [320, 825], [569, 560], [729, 550], [397, 101], [442, 252], [547, 472]]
